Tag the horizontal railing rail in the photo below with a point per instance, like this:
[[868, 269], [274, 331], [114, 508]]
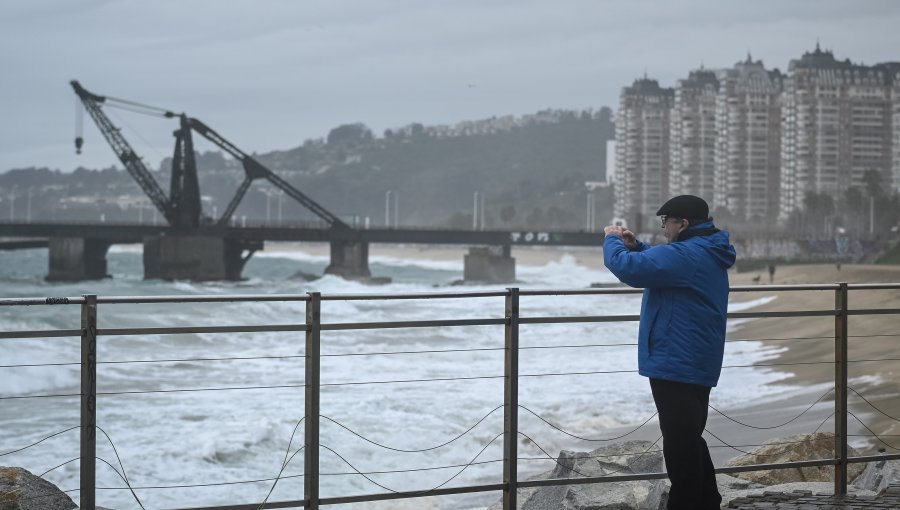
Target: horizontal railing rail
[[511, 320]]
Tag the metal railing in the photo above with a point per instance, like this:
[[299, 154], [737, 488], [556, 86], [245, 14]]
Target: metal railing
[[511, 322]]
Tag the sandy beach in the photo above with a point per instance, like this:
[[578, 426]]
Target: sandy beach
[[808, 343]]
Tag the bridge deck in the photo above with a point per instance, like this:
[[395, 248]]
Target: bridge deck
[[119, 233]]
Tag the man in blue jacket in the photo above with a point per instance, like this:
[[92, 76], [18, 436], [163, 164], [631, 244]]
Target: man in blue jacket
[[681, 339]]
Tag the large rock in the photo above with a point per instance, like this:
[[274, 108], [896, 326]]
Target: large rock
[[21, 490], [878, 475], [794, 449], [617, 459]]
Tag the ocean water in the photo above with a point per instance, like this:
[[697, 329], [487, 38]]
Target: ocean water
[[212, 437]]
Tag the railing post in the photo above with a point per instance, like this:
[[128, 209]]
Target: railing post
[[840, 390], [312, 381], [88, 473], [511, 401]]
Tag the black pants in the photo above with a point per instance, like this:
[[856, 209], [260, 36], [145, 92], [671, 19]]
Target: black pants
[[682, 417]]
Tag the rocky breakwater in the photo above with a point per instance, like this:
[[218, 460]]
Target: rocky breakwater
[[629, 457], [633, 457], [21, 490]]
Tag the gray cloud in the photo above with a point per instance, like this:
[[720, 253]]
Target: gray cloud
[[270, 74]]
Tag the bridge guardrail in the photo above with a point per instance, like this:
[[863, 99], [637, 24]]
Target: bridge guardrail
[[511, 321]]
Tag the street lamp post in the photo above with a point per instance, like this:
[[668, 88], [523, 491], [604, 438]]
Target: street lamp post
[[396, 209], [28, 209], [871, 215], [590, 212], [475, 205], [12, 203], [478, 211], [280, 202]]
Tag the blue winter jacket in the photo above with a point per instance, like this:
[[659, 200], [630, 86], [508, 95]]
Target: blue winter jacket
[[682, 328]]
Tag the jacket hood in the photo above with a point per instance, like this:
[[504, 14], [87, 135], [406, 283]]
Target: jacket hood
[[717, 243]]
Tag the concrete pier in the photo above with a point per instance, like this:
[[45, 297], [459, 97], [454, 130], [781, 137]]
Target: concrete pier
[[74, 259], [350, 260], [491, 264], [196, 258]]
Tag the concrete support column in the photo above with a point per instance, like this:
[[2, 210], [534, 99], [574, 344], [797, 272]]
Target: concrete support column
[[491, 264], [196, 258], [75, 259], [350, 260]]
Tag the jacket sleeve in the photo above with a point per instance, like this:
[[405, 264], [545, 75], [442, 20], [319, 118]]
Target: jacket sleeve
[[653, 267]]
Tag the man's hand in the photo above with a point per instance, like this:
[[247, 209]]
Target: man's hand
[[613, 230], [629, 239], [626, 235]]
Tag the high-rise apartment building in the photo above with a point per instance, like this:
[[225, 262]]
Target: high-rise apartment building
[[642, 152], [756, 142], [839, 123], [693, 135], [748, 141]]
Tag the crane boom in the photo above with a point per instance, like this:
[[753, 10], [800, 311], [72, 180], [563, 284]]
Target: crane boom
[[125, 153], [255, 170], [182, 207]]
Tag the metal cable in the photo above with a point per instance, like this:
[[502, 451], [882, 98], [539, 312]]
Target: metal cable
[[549, 457], [23, 365], [780, 364], [574, 346], [399, 381], [13, 397], [284, 465], [391, 353], [873, 405], [142, 392], [581, 373], [725, 444], [775, 426], [585, 438], [393, 471], [123, 478], [124, 475], [41, 441], [882, 441], [412, 451], [779, 339], [420, 493], [137, 134]]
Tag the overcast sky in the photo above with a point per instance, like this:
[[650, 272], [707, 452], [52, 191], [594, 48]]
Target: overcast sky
[[269, 74]]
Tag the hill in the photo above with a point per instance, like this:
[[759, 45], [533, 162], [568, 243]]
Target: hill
[[531, 170]]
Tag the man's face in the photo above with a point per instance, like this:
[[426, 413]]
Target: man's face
[[672, 227]]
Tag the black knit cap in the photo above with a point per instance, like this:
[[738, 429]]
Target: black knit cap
[[688, 207]]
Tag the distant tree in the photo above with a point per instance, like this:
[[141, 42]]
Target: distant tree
[[460, 221], [872, 178], [507, 213], [416, 129], [350, 135], [535, 218]]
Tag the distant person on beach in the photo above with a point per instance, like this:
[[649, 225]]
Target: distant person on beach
[[771, 273], [681, 339]]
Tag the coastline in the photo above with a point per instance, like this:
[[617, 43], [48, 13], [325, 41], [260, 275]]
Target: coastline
[[807, 343]]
